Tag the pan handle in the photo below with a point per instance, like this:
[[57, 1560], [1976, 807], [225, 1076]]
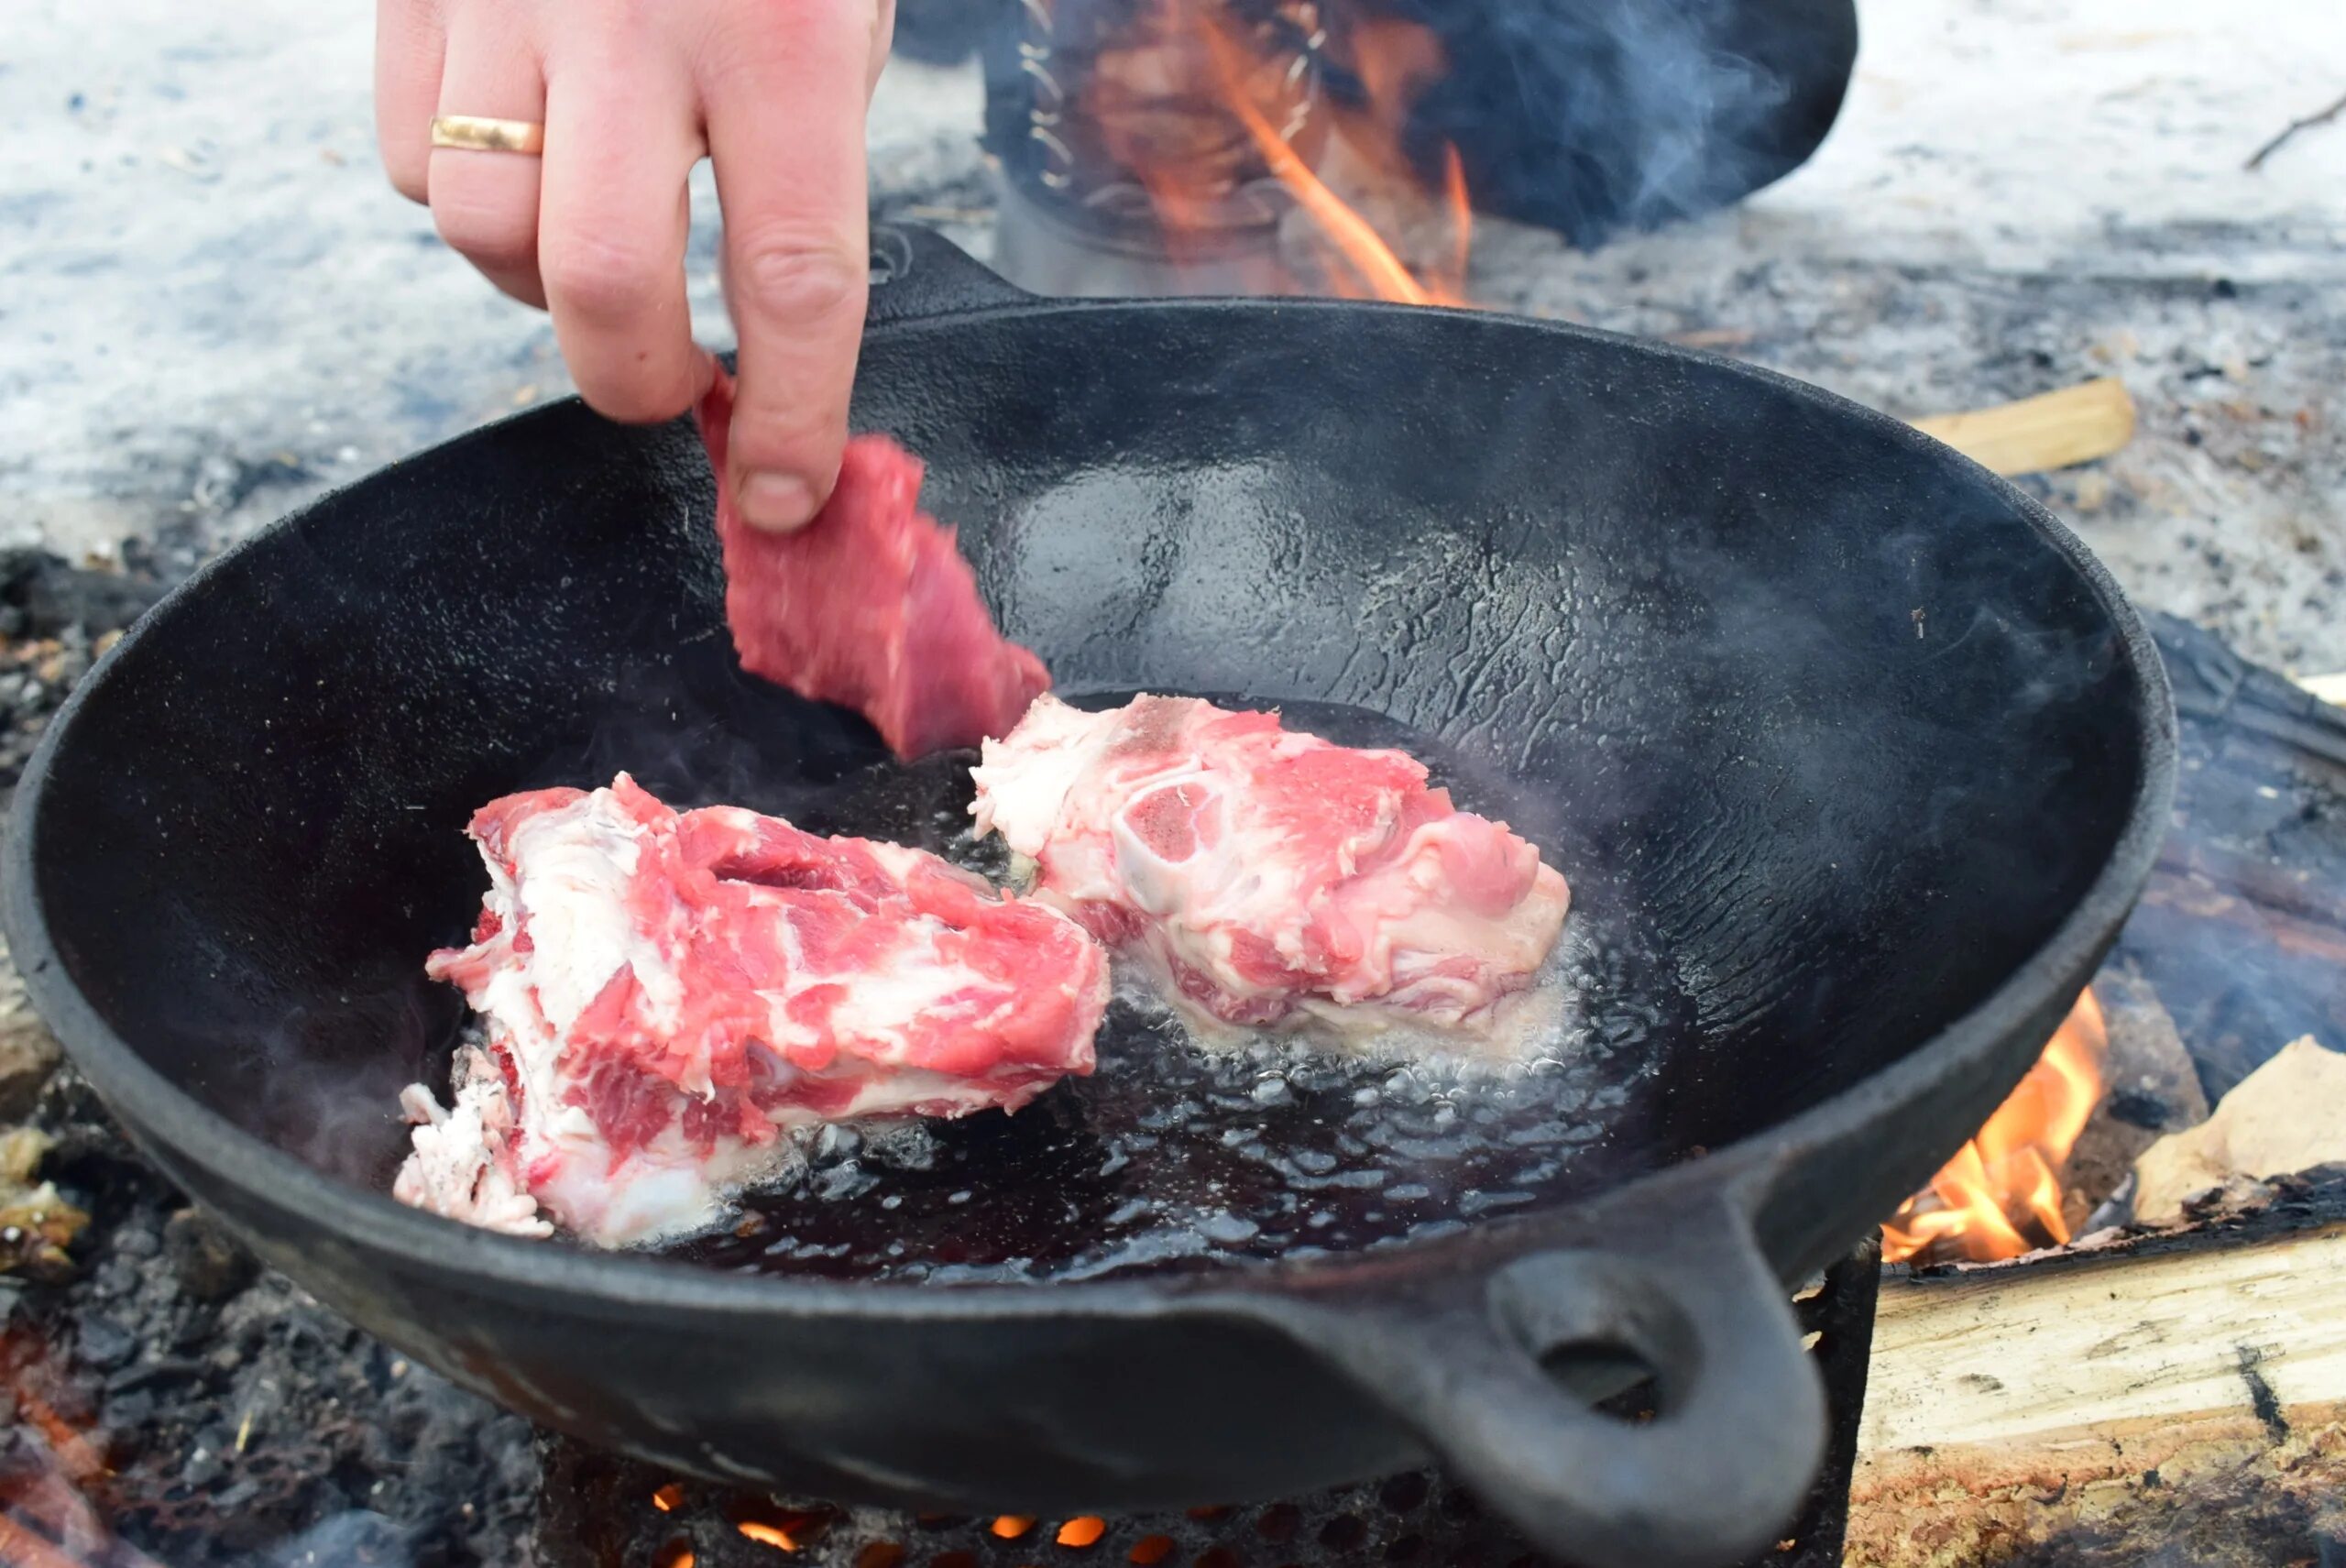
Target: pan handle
[[1500, 1383], [917, 272]]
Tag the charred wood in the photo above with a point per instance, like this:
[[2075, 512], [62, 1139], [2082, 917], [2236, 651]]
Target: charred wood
[[2172, 1397]]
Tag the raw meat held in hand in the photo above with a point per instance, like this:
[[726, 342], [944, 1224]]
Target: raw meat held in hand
[[666, 993], [871, 605], [1268, 879]]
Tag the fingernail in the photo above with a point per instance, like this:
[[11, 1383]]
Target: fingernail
[[779, 501]]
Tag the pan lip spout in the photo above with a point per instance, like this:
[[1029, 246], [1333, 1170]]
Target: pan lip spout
[[1971, 1050]]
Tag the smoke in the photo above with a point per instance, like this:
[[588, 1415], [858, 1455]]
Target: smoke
[[355, 1537], [318, 1074], [1585, 116], [1590, 116]]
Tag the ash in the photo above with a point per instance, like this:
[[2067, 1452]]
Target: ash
[[172, 1401], [237, 1422], [56, 619]]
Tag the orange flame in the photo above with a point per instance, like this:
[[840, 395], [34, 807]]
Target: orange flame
[[1461, 213], [1393, 58], [1182, 164], [1161, 118], [2004, 1184]]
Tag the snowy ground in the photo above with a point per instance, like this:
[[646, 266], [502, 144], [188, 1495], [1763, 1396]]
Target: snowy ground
[[210, 305]]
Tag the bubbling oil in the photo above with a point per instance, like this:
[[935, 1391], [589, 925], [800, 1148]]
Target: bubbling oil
[[1174, 1155]]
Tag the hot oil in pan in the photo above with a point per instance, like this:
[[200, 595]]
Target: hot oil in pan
[[1170, 1156]]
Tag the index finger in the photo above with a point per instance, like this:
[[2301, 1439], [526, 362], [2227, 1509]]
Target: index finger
[[786, 109]]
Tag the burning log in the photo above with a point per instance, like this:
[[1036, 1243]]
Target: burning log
[[2056, 430], [1253, 146], [2199, 901], [2244, 926], [2174, 1397], [2150, 1088], [1347, 247]]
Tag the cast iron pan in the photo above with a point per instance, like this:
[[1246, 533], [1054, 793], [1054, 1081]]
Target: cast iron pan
[[1855, 758]]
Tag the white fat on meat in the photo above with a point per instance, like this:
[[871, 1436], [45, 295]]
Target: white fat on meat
[[454, 1168], [1265, 879], [666, 997]]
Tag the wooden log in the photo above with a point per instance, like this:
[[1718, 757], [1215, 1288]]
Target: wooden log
[[2056, 430], [2179, 1398], [2279, 927], [2303, 895]]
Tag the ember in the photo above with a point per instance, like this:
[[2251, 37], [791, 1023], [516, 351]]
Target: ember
[[2001, 1195], [592, 1513]]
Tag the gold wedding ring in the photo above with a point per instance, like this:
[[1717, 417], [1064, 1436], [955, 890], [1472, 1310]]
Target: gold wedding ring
[[477, 133]]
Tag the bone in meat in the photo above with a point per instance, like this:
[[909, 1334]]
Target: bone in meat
[[1266, 877]]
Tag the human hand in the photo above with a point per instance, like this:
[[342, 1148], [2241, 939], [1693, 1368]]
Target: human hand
[[632, 96]]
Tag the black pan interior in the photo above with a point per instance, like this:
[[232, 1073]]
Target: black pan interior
[[1826, 736]]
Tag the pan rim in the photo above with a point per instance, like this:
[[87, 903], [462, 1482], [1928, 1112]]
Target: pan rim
[[273, 1178]]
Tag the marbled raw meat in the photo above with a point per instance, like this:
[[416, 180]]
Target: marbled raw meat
[[665, 995], [1263, 878], [871, 605]]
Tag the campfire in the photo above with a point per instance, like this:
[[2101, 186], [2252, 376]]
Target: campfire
[[2122, 1301], [2001, 1195], [2110, 1124]]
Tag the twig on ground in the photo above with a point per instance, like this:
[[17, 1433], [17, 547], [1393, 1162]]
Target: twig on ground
[[2319, 117]]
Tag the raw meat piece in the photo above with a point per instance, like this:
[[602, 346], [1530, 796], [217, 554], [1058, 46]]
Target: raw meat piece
[[870, 606], [1265, 878], [665, 995]]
